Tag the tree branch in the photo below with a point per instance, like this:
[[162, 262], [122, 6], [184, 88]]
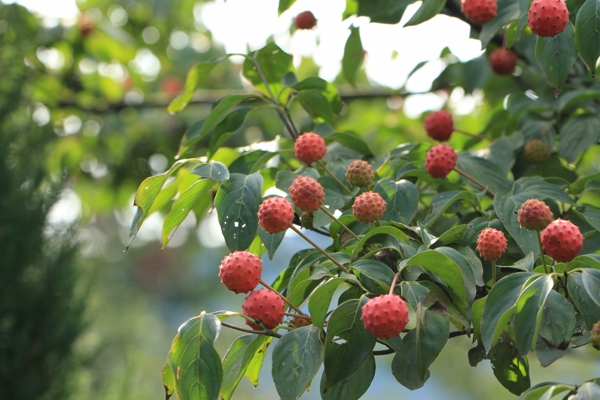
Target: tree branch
[[266, 332]]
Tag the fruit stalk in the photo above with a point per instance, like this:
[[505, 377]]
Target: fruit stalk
[[266, 332], [493, 272], [285, 299], [539, 238], [475, 181], [475, 135], [316, 246], [330, 215], [335, 178], [393, 285]]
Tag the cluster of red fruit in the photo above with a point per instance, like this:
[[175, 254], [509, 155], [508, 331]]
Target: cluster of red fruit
[[561, 240]]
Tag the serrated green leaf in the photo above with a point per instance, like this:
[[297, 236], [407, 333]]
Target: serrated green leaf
[[587, 33], [556, 55], [297, 357], [348, 344], [500, 306], [237, 203], [352, 387], [578, 134], [428, 10], [353, 55], [401, 197], [194, 77], [194, 361]]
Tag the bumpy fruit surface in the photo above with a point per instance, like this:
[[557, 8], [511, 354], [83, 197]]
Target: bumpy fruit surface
[[265, 307], [368, 207], [305, 20], [240, 271], [440, 160], [536, 151], [562, 240], [310, 148], [439, 125], [491, 244], [503, 61], [359, 173], [548, 18], [299, 322], [479, 11], [534, 215], [307, 193], [385, 316], [275, 214]]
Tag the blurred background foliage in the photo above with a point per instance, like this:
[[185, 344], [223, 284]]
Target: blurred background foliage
[[83, 121]]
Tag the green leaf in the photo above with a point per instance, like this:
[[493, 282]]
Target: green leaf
[[528, 312], [428, 10], [413, 292], [466, 269], [383, 11], [284, 5], [401, 197], [376, 270], [256, 353], [584, 289], [587, 33], [578, 134], [352, 387], [274, 63], [353, 55], [587, 391], [443, 267], [508, 10], [377, 235], [404, 363], [251, 162], [315, 104], [297, 357], [182, 207], [327, 89], [556, 55], [476, 315], [227, 127], [545, 391], [558, 321], [484, 171], [442, 201], [500, 306], [194, 78], [348, 344], [511, 370], [220, 111], [194, 361], [237, 203], [351, 141], [214, 170], [270, 240], [320, 299], [234, 365], [433, 327], [168, 379]]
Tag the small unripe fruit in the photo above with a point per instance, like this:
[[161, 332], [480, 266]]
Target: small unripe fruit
[[503, 61], [439, 125], [536, 151], [440, 160], [534, 215], [548, 18], [310, 148], [305, 20], [385, 316], [265, 307], [307, 193], [240, 271], [562, 240], [479, 11], [275, 214], [359, 173], [368, 207], [491, 244]]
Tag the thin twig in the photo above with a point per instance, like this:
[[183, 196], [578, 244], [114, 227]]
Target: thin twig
[[335, 178], [326, 211], [475, 181], [475, 135], [266, 332], [316, 246]]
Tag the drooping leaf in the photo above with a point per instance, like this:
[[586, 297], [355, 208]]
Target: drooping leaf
[[194, 361], [195, 76], [297, 357], [347, 344], [556, 55], [237, 203], [234, 365], [587, 33], [584, 289], [428, 10], [256, 354], [511, 370], [433, 327], [352, 387], [353, 55], [271, 241], [404, 363]]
